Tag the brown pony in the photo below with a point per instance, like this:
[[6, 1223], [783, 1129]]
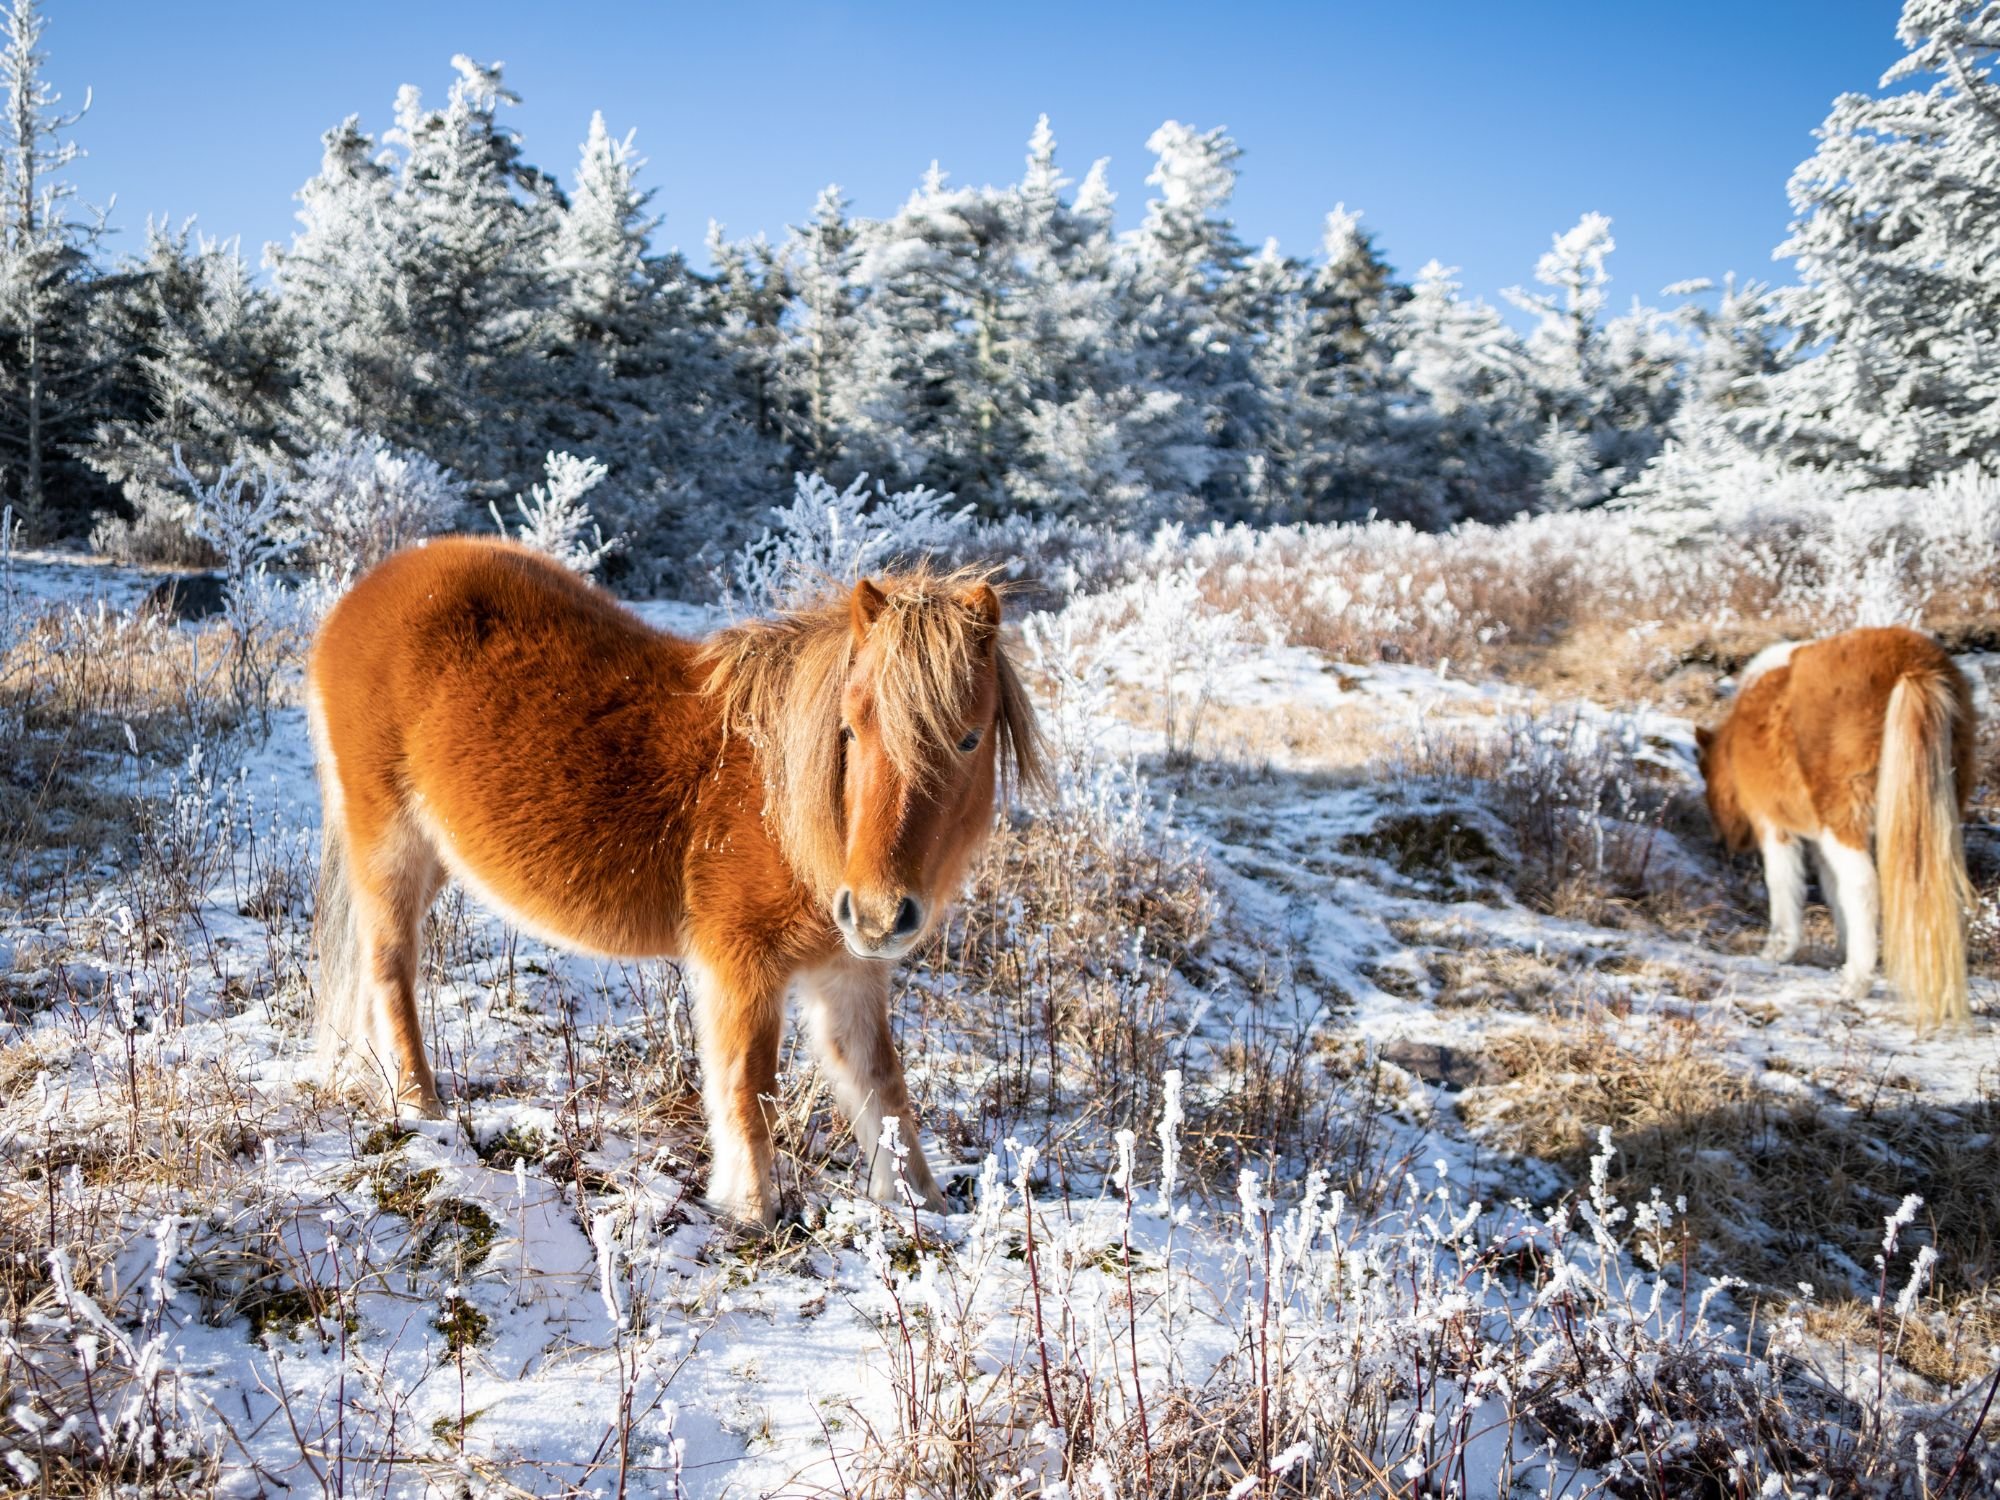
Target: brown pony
[[794, 799], [1830, 742]]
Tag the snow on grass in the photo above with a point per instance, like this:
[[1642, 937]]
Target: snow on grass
[[1273, 1073]]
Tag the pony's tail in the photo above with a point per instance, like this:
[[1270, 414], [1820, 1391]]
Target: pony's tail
[[337, 1017], [338, 990], [1920, 849]]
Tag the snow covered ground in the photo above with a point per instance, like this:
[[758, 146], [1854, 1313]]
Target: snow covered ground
[[1421, 1273]]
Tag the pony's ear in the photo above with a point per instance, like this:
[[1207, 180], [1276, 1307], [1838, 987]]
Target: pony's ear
[[1703, 736], [984, 602], [866, 606]]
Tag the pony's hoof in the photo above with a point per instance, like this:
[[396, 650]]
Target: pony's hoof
[[1778, 951], [1856, 986], [736, 1218]]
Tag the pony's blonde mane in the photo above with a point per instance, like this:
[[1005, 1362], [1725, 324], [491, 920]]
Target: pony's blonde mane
[[779, 683]]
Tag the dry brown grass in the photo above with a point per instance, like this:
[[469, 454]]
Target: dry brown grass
[[1783, 1189], [1572, 606], [86, 696], [1947, 1350]]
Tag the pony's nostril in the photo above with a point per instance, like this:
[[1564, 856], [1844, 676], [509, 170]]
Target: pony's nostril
[[843, 907], [909, 917]]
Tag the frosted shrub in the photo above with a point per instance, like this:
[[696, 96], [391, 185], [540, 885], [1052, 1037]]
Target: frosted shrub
[[358, 500], [242, 516], [1182, 639], [554, 518], [1051, 559], [97, 1397], [842, 535], [1438, 1346]]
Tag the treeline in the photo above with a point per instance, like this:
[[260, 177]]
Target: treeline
[[445, 296]]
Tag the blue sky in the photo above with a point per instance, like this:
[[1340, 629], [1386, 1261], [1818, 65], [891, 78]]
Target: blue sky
[[1469, 132]]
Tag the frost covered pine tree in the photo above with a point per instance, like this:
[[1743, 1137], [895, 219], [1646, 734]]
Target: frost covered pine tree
[[213, 382], [633, 372], [1473, 435], [1895, 317], [820, 259], [1327, 368], [414, 287], [1098, 440], [931, 398], [1707, 460], [1605, 392], [1194, 316], [62, 349], [554, 520]]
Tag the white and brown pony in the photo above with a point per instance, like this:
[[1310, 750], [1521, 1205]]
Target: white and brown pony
[[793, 800], [1864, 737]]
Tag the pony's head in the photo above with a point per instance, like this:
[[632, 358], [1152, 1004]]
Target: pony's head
[[1718, 780], [886, 720]]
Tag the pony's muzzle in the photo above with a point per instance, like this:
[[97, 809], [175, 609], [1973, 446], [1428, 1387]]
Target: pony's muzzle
[[883, 933]]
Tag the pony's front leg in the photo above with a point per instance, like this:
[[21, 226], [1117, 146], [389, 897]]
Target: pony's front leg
[[1860, 913], [739, 1020], [847, 1009], [1785, 879]]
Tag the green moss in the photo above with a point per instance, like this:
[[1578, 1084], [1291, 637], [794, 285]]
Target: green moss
[[464, 1327], [404, 1193], [521, 1143], [453, 1231], [287, 1310], [456, 1232], [384, 1139], [450, 1429]]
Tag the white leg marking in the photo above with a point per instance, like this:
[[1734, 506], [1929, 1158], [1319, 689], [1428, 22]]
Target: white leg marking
[[1785, 877], [1829, 885], [846, 1007], [737, 1183], [1860, 907]]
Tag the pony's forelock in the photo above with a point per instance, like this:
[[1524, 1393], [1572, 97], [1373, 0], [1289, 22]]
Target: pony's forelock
[[780, 680]]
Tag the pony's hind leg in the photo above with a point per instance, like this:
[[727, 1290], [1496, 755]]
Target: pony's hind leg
[[1829, 887], [1857, 894], [395, 879], [739, 1020], [847, 1011], [1785, 879]]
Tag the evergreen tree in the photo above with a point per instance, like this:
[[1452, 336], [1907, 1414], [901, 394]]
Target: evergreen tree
[[1472, 440], [1604, 392], [635, 373], [1328, 369], [1721, 395], [1195, 319], [932, 399], [416, 286], [820, 270], [212, 382], [1896, 315], [1098, 440], [744, 303], [61, 355]]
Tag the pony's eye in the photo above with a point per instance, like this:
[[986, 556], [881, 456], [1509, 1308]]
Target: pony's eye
[[971, 742], [846, 734]]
